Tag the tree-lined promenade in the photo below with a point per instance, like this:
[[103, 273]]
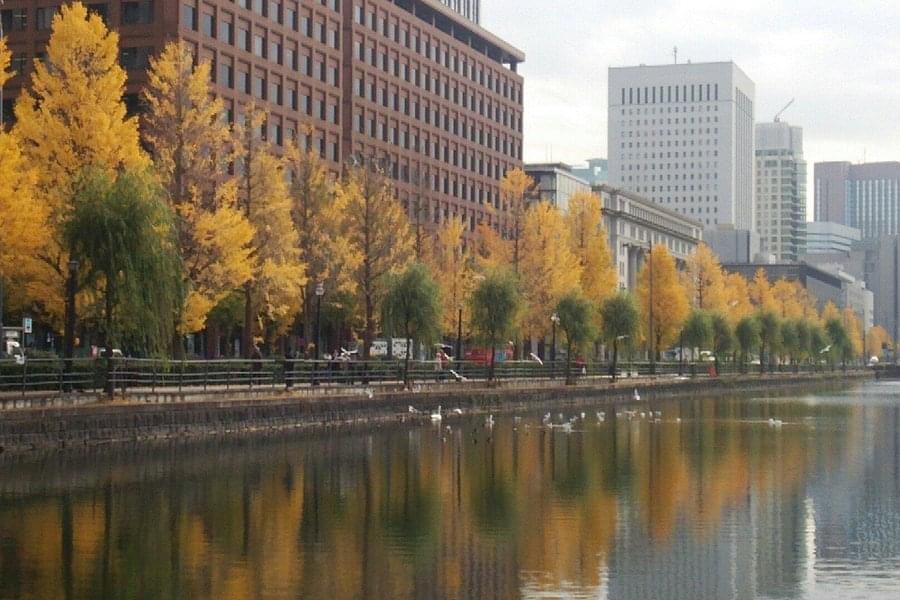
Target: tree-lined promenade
[[145, 229]]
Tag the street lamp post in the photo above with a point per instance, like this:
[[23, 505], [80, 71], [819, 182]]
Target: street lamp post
[[320, 291], [554, 319], [70, 322]]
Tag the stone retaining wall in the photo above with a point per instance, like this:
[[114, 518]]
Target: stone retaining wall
[[268, 410]]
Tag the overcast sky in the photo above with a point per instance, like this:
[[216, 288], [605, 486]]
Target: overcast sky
[[840, 59]]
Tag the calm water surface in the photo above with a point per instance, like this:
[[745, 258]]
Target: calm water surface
[[719, 505]]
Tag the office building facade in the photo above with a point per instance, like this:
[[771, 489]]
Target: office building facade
[[825, 237], [682, 136], [430, 94], [864, 196], [554, 183], [780, 190]]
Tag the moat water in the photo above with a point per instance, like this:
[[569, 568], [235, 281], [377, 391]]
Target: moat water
[[713, 498]]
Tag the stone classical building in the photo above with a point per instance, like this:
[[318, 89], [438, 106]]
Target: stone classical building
[[633, 223]]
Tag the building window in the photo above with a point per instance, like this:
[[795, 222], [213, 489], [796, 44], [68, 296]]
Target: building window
[[101, 9], [189, 16], [208, 25], [135, 58], [43, 20], [137, 12], [15, 19], [226, 75], [226, 31]]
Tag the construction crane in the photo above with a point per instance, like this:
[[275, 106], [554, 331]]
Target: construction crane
[[779, 113]]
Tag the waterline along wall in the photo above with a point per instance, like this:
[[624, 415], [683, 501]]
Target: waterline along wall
[[268, 410]]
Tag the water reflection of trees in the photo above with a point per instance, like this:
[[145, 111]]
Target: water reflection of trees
[[404, 512]]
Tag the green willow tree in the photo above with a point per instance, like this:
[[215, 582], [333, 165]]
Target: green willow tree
[[722, 338], [747, 334], [577, 322], [696, 333], [619, 314], [121, 231], [769, 335], [412, 306], [495, 304]]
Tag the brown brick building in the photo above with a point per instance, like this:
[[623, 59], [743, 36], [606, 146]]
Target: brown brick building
[[410, 82]]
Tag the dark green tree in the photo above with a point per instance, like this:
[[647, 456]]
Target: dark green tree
[[722, 337], [121, 231], [841, 347], [495, 304], [769, 334], [619, 314], [747, 333], [818, 344], [696, 332], [412, 306], [790, 341], [576, 320]]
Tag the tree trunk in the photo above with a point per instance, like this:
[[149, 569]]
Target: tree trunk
[[491, 369], [406, 358], [762, 358], [615, 360], [108, 339], [247, 332], [569, 364]]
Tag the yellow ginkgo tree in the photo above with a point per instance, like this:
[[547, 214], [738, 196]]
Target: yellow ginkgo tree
[[22, 216], [272, 293], [549, 269], [73, 116], [588, 241], [190, 143]]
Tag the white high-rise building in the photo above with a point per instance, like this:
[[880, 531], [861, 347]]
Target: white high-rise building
[[470, 9], [682, 135], [780, 190]]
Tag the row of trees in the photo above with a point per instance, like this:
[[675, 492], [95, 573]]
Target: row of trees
[[175, 220]]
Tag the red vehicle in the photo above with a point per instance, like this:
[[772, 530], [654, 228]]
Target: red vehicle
[[482, 356]]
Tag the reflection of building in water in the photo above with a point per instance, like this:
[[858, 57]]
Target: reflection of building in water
[[858, 503], [780, 535], [690, 564]]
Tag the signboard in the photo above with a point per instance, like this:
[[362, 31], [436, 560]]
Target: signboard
[[26, 325]]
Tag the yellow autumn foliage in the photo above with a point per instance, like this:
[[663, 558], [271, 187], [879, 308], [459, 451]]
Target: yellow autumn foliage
[[548, 267]]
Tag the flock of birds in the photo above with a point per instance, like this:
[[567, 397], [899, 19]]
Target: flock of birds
[[563, 423]]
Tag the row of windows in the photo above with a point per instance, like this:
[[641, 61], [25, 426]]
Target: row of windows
[[431, 81], [660, 94], [315, 29], [272, 88], [428, 146], [267, 45], [404, 34], [16, 19], [474, 131]]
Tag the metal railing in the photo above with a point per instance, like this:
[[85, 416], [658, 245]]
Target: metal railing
[[151, 375]]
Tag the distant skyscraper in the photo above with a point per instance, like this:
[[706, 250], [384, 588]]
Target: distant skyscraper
[[471, 9], [682, 135], [780, 190], [864, 196]]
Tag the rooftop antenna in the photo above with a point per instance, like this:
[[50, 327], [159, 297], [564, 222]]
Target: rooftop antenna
[[779, 113], [675, 54]]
